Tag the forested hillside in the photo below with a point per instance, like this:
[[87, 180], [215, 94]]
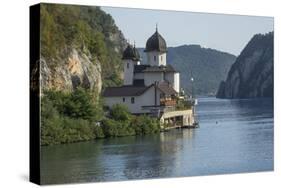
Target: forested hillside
[[80, 46], [207, 66]]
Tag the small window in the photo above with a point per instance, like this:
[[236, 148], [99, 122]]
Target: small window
[[154, 58], [128, 65], [132, 100], [161, 58], [124, 99]]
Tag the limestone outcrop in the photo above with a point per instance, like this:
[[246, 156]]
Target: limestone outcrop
[[252, 73]]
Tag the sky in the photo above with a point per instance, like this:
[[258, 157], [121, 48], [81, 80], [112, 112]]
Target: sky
[[228, 33]]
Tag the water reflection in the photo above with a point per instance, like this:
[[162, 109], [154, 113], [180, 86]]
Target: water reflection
[[234, 136]]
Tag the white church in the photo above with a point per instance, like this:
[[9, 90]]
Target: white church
[[148, 88]]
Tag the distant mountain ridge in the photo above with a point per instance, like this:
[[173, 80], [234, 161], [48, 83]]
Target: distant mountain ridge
[[252, 73], [207, 66]]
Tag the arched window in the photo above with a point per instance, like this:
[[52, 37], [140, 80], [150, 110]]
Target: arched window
[[161, 58]]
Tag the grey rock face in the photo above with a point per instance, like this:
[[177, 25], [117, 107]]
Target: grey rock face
[[252, 73], [75, 70]]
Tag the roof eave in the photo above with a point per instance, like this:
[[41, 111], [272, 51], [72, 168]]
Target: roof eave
[[148, 50]]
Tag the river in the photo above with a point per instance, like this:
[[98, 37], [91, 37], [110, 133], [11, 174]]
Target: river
[[235, 136]]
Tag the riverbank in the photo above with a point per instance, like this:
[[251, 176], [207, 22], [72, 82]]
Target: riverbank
[[235, 136], [75, 117]]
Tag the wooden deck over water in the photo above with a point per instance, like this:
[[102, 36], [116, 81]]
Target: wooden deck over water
[[178, 119]]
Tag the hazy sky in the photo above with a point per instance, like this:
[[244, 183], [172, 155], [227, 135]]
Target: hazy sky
[[227, 33]]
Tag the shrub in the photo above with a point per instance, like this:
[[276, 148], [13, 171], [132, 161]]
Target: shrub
[[114, 128], [98, 131], [109, 127], [120, 113], [69, 117], [80, 104], [51, 130], [82, 127], [125, 129], [145, 125], [74, 117]]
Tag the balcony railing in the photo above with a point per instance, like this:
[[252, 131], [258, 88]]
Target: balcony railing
[[157, 111], [186, 103], [169, 102]]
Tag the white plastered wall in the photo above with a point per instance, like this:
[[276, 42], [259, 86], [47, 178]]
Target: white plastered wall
[[152, 77], [128, 71], [160, 58], [173, 78], [146, 99]]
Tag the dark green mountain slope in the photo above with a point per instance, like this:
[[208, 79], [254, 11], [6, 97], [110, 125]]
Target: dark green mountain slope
[[207, 66]]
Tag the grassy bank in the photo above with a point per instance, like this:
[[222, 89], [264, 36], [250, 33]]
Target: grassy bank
[[76, 116]]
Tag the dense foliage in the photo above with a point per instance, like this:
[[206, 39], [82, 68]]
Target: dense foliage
[[87, 29], [121, 123], [69, 117], [74, 117], [207, 66]]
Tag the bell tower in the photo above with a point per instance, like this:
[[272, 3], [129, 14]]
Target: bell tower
[[130, 58], [156, 50]]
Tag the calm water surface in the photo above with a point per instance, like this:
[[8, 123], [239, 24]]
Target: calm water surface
[[234, 136]]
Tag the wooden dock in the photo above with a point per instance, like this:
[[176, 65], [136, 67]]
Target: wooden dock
[[178, 119], [196, 125]]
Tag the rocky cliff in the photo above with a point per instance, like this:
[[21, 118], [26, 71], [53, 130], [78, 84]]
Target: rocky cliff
[[74, 70], [80, 47], [252, 73]]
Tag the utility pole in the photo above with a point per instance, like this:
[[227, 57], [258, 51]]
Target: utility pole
[[192, 87], [192, 80]]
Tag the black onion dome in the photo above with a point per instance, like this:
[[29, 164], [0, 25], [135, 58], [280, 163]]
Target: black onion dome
[[156, 43], [131, 53]]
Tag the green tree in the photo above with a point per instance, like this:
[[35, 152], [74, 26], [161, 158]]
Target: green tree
[[145, 125], [109, 127], [69, 117], [80, 104], [120, 113]]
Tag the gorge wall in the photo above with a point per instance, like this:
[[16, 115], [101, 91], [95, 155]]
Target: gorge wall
[[80, 47], [252, 73]]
